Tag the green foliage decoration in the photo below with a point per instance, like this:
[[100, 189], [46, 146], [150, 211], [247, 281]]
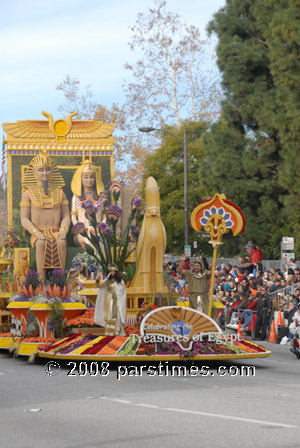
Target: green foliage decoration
[[107, 245], [251, 153], [55, 317]]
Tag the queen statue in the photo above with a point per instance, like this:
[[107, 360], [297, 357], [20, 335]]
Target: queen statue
[[86, 186]]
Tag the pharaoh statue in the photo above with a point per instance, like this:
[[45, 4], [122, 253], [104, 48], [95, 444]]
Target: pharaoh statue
[[86, 186], [45, 213]]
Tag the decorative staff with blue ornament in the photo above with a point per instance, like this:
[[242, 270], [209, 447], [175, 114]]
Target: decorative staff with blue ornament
[[217, 216]]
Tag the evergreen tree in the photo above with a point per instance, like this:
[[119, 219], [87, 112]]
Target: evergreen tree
[[243, 151], [282, 38]]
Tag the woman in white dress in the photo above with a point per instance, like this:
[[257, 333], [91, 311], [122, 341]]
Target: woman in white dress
[[110, 311]]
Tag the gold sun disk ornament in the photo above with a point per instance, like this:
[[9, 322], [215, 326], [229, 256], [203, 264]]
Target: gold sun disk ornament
[[60, 127]]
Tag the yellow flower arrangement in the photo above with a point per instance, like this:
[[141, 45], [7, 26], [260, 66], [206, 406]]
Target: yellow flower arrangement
[[66, 306], [21, 304]]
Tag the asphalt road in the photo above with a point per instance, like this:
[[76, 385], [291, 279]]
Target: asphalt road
[[224, 403]]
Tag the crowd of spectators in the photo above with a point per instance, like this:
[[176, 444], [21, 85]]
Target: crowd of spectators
[[248, 289]]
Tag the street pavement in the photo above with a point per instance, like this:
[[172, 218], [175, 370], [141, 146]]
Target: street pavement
[[249, 403]]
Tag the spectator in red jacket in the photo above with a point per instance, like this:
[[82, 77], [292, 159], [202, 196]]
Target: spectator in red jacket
[[254, 253]]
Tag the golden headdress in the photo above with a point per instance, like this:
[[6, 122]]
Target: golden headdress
[[42, 160], [31, 184], [87, 167]]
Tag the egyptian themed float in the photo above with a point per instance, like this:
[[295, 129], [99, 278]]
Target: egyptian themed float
[[80, 225]]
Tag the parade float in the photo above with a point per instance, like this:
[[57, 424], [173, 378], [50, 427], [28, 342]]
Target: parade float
[[103, 220]]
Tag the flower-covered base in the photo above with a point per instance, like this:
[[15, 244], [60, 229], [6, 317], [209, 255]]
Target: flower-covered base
[[151, 340], [6, 340], [131, 348], [79, 346], [23, 346], [31, 345]]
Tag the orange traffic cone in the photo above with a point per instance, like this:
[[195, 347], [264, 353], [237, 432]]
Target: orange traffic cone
[[239, 331], [279, 319], [272, 336]]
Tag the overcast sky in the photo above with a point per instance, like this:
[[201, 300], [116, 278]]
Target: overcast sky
[[41, 41]]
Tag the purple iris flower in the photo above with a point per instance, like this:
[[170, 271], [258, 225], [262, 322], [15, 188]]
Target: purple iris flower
[[108, 231], [113, 209], [102, 226], [137, 203], [79, 227]]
